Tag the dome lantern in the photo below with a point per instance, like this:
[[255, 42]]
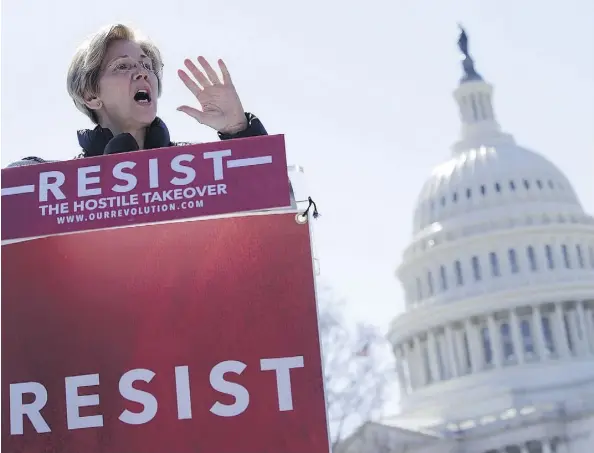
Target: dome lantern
[[474, 97]]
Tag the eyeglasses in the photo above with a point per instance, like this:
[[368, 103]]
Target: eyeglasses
[[124, 65]]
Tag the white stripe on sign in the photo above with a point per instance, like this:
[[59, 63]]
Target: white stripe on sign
[[18, 190], [248, 162]]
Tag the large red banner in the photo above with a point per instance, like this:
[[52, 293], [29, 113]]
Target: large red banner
[[186, 337], [145, 186]]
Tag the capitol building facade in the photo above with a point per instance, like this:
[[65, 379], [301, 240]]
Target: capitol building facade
[[495, 350]]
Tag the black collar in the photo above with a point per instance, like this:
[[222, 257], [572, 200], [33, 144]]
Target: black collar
[[94, 141]]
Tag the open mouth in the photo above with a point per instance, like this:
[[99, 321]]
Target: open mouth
[[143, 97]]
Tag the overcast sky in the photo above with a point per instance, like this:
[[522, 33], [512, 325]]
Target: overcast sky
[[362, 91]]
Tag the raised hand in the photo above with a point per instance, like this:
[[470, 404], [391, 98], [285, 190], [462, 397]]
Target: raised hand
[[221, 106]]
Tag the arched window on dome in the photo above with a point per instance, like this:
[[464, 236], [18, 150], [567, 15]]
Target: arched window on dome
[[526, 184], [495, 272], [527, 340], [487, 349], [430, 283], [580, 256], [531, 258], [443, 279], [566, 259], [549, 256], [507, 342], [476, 268], [513, 261], [512, 185], [497, 187], [458, 273]]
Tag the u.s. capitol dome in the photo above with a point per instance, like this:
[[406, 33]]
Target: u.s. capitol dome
[[495, 350]]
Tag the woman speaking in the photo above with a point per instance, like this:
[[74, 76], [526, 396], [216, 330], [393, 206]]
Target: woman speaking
[[115, 79]]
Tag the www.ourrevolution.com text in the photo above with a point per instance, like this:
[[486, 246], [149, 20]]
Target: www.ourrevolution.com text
[[126, 212]]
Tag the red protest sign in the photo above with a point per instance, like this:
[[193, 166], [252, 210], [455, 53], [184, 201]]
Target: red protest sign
[[144, 187], [196, 336]]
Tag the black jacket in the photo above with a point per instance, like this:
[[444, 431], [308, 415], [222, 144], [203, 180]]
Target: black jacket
[[100, 141]]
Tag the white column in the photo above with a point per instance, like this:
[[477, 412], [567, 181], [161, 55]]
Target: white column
[[450, 345], [516, 336], [422, 373], [476, 360], [402, 384], [560, 336], [590, 328], [573, 331], [538, 333], [433, 359], [582, 326], [445, 356], [495, 340], [546, 446], [412, 366], [460, 351]]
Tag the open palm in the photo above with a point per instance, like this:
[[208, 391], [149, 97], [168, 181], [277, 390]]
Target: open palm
[[221, 106]]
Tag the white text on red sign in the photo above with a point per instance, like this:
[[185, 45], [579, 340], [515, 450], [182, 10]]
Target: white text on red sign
[[74, 401], [89, 181]]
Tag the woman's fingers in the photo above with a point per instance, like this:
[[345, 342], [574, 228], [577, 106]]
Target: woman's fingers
[[188, 82], [197, 73], [198, 115], [226, 75], [212, 75]]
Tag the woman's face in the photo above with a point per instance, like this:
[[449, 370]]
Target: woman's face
[[128, 87]]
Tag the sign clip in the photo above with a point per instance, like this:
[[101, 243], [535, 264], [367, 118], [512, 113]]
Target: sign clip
[[302, 218]]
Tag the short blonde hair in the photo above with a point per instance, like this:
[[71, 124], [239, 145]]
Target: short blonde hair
[[85, 68]]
